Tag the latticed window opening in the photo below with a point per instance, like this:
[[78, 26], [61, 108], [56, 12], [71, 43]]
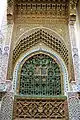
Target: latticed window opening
[[40, 76]]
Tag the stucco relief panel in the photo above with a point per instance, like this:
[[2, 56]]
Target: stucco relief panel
[[60, 29]]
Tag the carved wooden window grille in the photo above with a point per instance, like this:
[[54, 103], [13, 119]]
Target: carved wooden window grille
[[40, 76]]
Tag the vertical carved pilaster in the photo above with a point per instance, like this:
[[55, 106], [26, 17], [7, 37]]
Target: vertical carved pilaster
[[1, 49], [2, 81], [72, 19], [72, 7], [74, 53], [5, 42], [7, 47], [10, 7]]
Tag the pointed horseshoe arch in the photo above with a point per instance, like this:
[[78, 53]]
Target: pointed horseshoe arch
[[41, 40], [64, 71]]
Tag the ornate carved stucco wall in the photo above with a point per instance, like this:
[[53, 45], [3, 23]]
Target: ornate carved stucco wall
[[60, 28], [22, 24], [29, 16], [53, 15]]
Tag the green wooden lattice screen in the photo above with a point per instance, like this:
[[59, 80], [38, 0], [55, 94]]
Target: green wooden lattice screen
[[40, 76]]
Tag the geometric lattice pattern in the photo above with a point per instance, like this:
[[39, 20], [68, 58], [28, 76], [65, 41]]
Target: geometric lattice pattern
[[74, 106], [32, 7], [55, 108], [40, 75], [7, 107], [37, 37]]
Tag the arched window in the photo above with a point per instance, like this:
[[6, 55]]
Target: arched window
[[40, 75]]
